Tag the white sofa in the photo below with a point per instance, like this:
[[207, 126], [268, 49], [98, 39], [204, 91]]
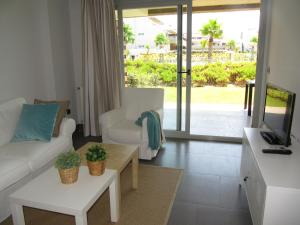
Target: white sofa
[[22, 161], [118, 126]]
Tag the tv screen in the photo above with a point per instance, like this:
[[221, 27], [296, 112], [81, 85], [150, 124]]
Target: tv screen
[[279, 107]]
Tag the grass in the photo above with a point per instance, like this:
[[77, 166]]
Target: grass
[[275, 102], [210, 95]]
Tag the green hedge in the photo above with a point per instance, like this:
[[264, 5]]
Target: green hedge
[[148, 73]]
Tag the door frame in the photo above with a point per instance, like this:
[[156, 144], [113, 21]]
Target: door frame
[[262, 65]]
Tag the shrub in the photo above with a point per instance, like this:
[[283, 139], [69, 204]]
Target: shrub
[[198, 79], [149, 73]]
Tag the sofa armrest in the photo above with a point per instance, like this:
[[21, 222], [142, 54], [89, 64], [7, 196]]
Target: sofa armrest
[[111, 117], [67, 127]]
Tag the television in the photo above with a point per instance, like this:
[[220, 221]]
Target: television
[[278, 115]]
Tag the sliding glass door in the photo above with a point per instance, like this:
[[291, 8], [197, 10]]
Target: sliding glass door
[[155, 54]]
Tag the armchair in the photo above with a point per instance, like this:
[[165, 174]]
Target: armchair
[[118, 126]]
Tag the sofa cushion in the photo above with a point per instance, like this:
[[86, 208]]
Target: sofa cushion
[[125, 132], [9, 115], [12, 170], [36, 122], [63, 106], [36, 153]]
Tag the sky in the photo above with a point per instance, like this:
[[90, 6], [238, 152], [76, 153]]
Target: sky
[[233, 23]]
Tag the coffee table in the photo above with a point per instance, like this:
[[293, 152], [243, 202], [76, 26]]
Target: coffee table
[[118, 157], [48, 193]]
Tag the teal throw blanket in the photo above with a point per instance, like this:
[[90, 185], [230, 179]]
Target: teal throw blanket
[[153, 128]]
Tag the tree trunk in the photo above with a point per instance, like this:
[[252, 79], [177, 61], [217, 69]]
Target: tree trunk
[[210, 48]]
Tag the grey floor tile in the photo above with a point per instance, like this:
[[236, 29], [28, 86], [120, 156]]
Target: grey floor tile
[[211, 216], [233, 197], [213, 165], [238, 218], [183, 214], [200, 189]]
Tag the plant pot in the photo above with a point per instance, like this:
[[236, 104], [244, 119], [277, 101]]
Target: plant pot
[[68, 176], [96, 168]]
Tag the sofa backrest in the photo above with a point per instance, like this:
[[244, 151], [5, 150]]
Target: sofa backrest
[[137, 100], [9, 115]]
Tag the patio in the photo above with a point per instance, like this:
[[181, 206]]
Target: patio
[[223, 120]]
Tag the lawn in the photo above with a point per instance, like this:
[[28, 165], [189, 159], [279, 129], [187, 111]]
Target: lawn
[[210, 95]]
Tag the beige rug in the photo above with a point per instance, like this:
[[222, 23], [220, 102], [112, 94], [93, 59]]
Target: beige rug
[[149, 205]]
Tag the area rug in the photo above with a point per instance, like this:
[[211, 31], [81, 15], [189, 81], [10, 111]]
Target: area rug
[[150, 204]]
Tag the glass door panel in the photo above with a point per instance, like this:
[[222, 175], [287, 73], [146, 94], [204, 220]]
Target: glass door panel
[[223, 60], [153, 43]]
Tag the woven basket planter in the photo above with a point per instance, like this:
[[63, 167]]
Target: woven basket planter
[[96, 168], [69, 176]]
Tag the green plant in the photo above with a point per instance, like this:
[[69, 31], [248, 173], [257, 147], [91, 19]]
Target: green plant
[[67, 160], [96, 153], [161, 40], [231, 44], [128, 34]]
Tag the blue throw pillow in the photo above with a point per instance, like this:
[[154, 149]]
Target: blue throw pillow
[[36, 122]]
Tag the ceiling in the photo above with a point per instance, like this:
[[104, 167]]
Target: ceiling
[[223, 2], [198, 6]]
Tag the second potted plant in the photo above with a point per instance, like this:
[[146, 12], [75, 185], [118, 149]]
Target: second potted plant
[[96, 159]]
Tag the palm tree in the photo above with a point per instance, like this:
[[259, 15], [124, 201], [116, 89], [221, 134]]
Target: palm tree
[[160, 41], [128, 35], [203, 43], [213, 30], [231, 45]]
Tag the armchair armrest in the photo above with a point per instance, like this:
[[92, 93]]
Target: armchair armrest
[[111, 117], [145, 130], [67, 127], [161, 114]]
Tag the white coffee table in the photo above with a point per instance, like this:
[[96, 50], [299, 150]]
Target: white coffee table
[[48, 193]]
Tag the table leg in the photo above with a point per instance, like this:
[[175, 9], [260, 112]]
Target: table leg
[[246, 96], [250, 100], [135, 171], [114, 188], [81, 219], [17, 214]]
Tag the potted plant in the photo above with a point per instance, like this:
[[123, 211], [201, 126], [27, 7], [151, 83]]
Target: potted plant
[[68, 166], [96, 158]]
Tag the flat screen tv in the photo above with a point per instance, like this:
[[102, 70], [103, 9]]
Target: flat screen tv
[[278, 115]]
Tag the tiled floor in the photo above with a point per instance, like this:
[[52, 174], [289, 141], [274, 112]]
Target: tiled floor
[[209, 193]]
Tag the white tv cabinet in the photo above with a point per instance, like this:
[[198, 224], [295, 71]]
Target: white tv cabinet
[[271, 181]]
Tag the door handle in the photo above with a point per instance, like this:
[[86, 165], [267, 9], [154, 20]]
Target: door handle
[[188, 72]]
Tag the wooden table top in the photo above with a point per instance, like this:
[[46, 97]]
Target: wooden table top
[[118, 156]]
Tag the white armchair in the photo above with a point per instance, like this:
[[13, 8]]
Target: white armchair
[[118, 126]]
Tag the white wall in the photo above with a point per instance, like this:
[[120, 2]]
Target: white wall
[[284, 55], [59, 24], [35, 50], [76, 29], [20, 59]]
